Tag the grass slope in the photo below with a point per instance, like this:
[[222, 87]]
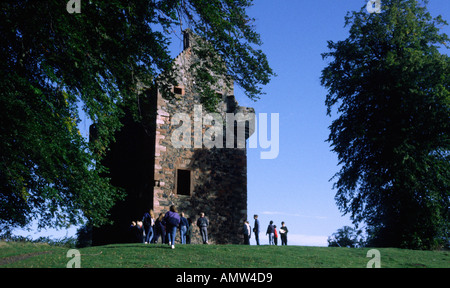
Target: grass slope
[[212, 256]]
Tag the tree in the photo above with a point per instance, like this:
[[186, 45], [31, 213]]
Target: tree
[[390, 84], [346, 237], [56, 63]]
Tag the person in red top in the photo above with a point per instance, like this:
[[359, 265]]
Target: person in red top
[[275, 238]]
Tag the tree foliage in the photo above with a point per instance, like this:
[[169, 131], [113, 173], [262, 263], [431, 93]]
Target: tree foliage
[[346, 237], [56, 63], [390, 85]]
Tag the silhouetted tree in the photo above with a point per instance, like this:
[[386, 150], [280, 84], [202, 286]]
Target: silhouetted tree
[[391, 87]]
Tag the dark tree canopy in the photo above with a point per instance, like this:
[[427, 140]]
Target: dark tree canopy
[[390, 85], [53, 62], [346, 237]]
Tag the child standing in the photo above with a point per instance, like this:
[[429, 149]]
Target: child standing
[[275, 234]]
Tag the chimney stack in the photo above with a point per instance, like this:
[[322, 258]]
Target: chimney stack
[[186, 39]]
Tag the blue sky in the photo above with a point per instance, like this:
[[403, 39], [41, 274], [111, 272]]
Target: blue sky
[[295, 186]]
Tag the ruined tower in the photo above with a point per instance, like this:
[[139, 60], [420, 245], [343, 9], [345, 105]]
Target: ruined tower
[[156, 171]]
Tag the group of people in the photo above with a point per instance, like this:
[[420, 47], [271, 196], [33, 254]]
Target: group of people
[[271, 232], [149, 229]]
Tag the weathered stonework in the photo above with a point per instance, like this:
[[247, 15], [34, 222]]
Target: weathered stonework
[[217, 177]]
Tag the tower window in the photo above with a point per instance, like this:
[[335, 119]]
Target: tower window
[[183, 182], [178, 90]]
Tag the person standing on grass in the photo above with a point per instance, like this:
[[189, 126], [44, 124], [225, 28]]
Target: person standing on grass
[[160, 229], [172, 219], [270, 232], [256, 229], [203, 224], [183, 228], [283, 233], [149, 222], [275, 235], [247, 232], [189, 231]]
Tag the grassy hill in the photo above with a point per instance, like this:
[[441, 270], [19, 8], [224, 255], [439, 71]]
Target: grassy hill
[[17, 254]]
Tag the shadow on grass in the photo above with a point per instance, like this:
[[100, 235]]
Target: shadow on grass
[[135, 245]]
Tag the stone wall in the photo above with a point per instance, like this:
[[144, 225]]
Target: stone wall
[[218, 185], [218, 176]]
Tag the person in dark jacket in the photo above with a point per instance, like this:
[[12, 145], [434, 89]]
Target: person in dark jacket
[[189, 231], [160, 229], [184, 225], [203, 224], [172, 219], [270, 231], [256, 229], [137, 231], [283, 233], [149, 221]]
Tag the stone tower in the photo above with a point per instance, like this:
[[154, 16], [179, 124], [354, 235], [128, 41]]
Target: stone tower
[[149, 163]]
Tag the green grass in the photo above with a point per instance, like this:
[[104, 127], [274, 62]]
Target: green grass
[[17, 254]]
